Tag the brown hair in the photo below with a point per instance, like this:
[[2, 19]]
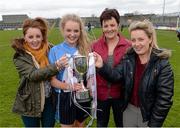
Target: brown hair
[[40, 23], [107, 14]]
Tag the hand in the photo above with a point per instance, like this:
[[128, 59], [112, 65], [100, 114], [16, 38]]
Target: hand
[[98, 60], [62, 62], [77, 86]]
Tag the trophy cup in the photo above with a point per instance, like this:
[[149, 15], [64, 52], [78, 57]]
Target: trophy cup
[[81, 66]]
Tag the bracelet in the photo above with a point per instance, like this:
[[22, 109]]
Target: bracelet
[[57, 66]]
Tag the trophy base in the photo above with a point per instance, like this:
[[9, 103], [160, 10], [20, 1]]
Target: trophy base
[[83, 96]]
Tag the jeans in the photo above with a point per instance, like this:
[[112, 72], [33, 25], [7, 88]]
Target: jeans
[[47, 118], [105, 106]]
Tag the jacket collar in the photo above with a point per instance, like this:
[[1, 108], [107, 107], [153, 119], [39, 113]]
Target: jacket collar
[[153, 56]]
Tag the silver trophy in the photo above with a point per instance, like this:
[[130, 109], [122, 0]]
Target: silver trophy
[[81, 66]]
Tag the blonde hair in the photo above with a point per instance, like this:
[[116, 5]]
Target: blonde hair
[[83, 41], [148, 28]]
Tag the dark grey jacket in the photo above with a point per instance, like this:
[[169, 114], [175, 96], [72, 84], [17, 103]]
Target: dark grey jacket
[[28, 97], [156, 85]]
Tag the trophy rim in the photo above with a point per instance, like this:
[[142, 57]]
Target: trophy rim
[[79, 56]]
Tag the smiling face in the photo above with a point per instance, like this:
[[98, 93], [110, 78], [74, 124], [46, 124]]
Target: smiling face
[[34, 38], [110, 28], [140, 42], [71, 31]]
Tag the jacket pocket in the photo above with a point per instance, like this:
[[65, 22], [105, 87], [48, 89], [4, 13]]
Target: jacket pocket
[[22, 103], [23, 98]]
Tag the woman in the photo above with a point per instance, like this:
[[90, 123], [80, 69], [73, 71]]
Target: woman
[[111, 46], [147, 78], [75, 42], [34, 97]]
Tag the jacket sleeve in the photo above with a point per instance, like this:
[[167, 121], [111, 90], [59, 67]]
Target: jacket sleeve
[[29, 71], [165, 87], [112, 74]]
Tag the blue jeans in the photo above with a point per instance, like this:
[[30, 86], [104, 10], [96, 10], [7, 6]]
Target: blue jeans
[[105, 106], [47, 116]]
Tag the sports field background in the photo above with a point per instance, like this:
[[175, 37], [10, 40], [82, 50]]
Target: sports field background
[[9, 77]]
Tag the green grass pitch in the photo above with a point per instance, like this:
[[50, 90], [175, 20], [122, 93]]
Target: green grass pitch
[[9, 77]]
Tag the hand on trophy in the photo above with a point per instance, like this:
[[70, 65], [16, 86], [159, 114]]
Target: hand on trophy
[[74, 87], [77, 87], [98, 60], [62, 62]]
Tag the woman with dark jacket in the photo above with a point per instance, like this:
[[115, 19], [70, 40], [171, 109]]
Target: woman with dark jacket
[[147, 78], [34, 96]]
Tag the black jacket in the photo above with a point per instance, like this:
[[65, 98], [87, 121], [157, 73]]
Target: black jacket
[[156, 85]]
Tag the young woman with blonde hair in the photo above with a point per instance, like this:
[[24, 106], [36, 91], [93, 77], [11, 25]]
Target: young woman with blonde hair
[[75, 43]]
